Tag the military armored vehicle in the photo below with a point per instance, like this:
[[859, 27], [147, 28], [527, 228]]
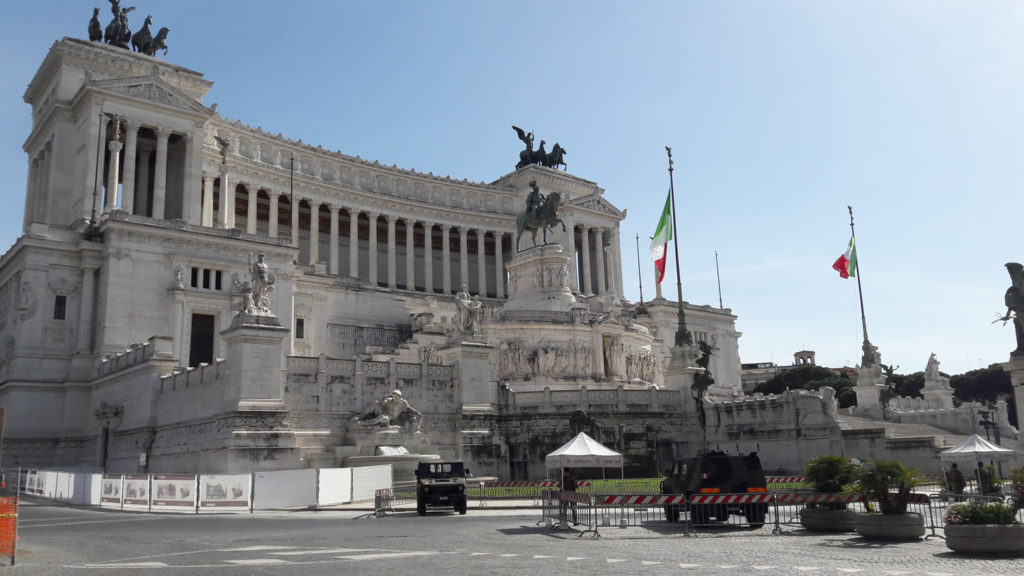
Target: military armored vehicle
[[716, 472], [440, 484]]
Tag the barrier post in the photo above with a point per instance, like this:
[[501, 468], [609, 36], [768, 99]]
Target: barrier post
[[9, 527]]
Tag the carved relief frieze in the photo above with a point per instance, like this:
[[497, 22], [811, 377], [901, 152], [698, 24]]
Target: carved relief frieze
[[518, 358]]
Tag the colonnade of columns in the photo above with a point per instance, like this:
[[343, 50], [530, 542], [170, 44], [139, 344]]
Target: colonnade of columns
[[437, 256], [135, 174]]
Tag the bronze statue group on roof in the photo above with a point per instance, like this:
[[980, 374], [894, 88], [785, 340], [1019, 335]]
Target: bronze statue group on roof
[[552, 159], [118, 34]]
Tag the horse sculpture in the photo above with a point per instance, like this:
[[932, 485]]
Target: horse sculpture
[[554, 159], [143, 36], [546, 217]]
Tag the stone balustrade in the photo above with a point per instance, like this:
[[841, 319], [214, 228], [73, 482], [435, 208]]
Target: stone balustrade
[[135, 354]]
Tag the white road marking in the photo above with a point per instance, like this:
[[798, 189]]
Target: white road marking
[[690, 565], [386, 555], [806, 568], [764, 567], [614, 560], [480, 554], [850, 570], [255, 549], [510, 555], [539, 557], [257, 561], [323, 551], [129, 565], [574, 558]]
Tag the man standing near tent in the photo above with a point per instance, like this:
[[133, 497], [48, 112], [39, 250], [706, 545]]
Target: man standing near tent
[[568, 485], [955, 481]]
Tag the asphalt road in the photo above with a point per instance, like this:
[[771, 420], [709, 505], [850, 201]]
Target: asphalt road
[[58, 540]]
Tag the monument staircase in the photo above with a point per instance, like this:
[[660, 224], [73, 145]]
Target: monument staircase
[[901, 430]]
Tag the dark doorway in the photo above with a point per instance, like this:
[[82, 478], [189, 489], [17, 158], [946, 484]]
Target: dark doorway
[[200, 350]]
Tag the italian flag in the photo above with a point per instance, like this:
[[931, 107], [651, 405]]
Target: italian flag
[[846, 265], [659, 243]]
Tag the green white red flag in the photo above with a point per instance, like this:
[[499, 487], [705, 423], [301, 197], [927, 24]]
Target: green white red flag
[[846, 265], [659, 243]]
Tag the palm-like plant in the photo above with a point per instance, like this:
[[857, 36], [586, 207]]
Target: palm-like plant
[[830, 473], [874, 481]]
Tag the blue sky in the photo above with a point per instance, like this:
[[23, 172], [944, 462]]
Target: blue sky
[[779, 114]]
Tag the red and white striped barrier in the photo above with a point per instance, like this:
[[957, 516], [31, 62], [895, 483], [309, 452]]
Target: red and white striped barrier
[[731, 498], [630, 500], [574, 497], [785, 479]]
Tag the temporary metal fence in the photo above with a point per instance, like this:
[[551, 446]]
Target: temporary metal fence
[[9, 527], [569, 510]]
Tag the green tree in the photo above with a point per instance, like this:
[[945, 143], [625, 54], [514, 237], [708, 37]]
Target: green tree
[[986, 385], [794, 379]]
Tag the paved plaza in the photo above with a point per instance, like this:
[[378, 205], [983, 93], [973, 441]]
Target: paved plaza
[[58, 539]]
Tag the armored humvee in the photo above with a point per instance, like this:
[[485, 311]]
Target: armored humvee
[[716, 472], [440, 484]]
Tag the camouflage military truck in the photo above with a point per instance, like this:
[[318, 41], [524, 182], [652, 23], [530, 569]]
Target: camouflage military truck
[[717, 473], [440, 484]]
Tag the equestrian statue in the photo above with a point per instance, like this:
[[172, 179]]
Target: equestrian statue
[[541, 213]]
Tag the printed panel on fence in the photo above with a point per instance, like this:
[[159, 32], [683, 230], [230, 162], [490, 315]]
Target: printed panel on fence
[[8, 525], [225, 493], [111, 492], [31, 482], [174, 492], [136, 492]]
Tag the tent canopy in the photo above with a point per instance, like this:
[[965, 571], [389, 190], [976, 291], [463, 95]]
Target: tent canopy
[[583, 452], [976, 449]]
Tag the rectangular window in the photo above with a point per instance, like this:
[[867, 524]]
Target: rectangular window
[[60, 305], [201, 344], [206, 278], [300, 328], [217, 278]]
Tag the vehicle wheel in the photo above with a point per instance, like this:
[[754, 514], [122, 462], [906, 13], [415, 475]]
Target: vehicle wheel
[[672, 513], [462, 507], [700, 515], [755, 516], [421, 508]]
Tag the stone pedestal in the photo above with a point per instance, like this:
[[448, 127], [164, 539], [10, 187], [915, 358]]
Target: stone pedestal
[[870, 384], [253, 358], [474, 368], [680, 373], [539, 284]]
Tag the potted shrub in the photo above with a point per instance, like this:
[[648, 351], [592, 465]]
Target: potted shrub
[[874, 482], [828, 474], [984, 528]]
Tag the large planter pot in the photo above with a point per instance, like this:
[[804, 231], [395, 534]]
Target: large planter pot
[[986, 539], [909, 526], [825, 520]]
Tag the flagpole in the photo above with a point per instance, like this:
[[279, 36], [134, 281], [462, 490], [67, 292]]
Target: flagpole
[[638, 274], [860, 293], [719, 276], [683, 337]]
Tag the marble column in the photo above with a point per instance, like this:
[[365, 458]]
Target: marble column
[[314, 231], [160, 178], [253, 196], [296, 209], [599, 252], [143, 200], [208, 201], [272, 224], [499, 265], [446, 258], [131, 143], [410, 254], [616, 258], [392, 258], [90, 198], [353, 243], [333, 255], [585, 250], [371, 252], [112, 175], [574, 282], [481, 262], [464, 257], [225, 186], [428, 258]]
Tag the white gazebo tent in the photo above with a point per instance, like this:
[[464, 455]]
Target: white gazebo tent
[[584, 452], [977, 449]]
